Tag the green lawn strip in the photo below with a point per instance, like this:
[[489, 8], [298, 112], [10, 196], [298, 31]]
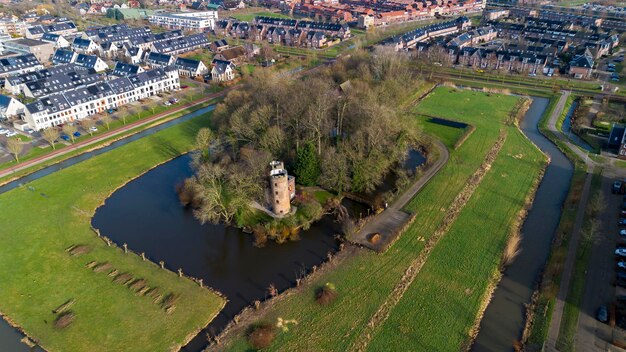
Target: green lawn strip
[[250, 16], [36, 151], [571, 310], [439, 309], [39, 223], [446, 134], [365, 280], [566, 109]]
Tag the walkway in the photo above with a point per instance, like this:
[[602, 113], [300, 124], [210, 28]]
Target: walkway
[[568, 270], [100, 138], [390, 222]]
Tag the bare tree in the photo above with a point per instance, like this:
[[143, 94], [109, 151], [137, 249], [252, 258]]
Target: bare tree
[[106, 120], [69, 130], [88, 124], [15, 147], [204, 138], [50, 135]]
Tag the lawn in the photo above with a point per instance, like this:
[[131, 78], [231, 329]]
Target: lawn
[[41, 221], [250, 16], [365, 280]]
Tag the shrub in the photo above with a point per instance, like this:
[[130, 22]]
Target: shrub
[[326, 294], [261, 335]]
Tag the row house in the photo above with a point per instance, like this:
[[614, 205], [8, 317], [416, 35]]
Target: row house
[[93, 62], [15, 84], [411, 38], [61, 28], [53, 84], [480, 35], [520, 62], [19, 64], [181, 45], [108, 50], [80, 103], [155, 60], [133, 54]]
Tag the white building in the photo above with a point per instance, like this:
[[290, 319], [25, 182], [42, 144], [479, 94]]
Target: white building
[[10, 107], [222, 71], [80, 103], [197, 21]]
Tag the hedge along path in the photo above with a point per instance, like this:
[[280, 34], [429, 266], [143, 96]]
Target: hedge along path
[[416, 265]]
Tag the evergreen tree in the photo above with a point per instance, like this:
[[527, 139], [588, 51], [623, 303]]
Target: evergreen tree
[[307, 165]]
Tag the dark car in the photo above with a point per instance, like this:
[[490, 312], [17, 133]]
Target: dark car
[[622, 222], [76, 134], [65, 137], [617, 187], [603, 314]]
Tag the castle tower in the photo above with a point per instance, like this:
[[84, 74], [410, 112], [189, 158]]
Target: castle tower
[[280, 196]]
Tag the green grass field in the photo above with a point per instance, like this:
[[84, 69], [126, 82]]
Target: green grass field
[[250, 16], [53, 213], [365, 280]]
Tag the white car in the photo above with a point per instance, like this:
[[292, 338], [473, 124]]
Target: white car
[[167, 103], [621, 252], [621, 265], [93, 128], [4, 131], [11, 134], [29, 131], [622, 232]]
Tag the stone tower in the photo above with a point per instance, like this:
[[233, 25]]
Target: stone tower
[[280, 196]]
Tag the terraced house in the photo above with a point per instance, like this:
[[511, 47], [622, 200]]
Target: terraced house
[[79, 103], [181, 45], [61, 28], [46, 82], [16, 65]]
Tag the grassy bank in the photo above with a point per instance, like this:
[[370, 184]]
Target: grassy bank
[[365, 280], [52, 214], [571, 310]]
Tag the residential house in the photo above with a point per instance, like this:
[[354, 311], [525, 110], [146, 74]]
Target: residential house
[[192, 21], [181, 45], [84, 46], [581, 66], [57, 40], [133, 54], [108, 50], [154, 60], [123, 69], [190, 68], [63, 56], [10, 107], [218, 46], [91, 62], [222, 71], [236, 55]]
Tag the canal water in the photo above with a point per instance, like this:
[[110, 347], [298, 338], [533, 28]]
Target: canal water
[[566, 128], [504, 318]]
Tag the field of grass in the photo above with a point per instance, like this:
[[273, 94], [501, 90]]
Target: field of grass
[[41, 221], [364, 281]]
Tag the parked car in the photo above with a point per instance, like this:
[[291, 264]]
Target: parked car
[[611, 69], [173, 100], [4, 131], [620, 252], [622, 222], [93, 128], [614, 79], [602, 314], [76, 134], [12, 134], [622, 232], [167, 103], [617, 187], [29, 131], [65, 137], [621, 265], [611, 65]]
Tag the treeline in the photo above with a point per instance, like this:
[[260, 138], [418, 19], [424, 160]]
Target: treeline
[[342, 127]]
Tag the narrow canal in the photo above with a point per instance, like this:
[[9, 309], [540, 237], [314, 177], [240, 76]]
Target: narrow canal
[[504, 318]]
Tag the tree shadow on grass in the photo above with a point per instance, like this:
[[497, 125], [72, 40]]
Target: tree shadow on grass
[[164, 147]]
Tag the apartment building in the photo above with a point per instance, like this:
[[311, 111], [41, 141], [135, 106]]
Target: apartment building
[[191, 21], [80, 103], [42, 50]]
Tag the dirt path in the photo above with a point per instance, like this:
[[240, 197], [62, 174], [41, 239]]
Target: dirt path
[[389, 223], [416, 265]]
